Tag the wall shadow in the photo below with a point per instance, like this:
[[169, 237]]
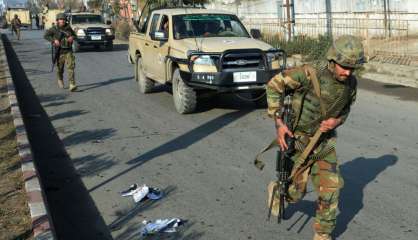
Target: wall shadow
[[73, 211]]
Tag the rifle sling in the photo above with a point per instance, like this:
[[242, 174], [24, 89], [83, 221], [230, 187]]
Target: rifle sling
[[312, 76]]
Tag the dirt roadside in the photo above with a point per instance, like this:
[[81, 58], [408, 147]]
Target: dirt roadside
[[15, 220]]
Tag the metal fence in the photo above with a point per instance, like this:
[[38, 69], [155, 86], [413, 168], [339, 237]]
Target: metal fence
[[392, 39]]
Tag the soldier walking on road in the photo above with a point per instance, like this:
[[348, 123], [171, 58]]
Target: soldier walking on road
[[16, 25], [62, 36], [37, 22], [325, 111]]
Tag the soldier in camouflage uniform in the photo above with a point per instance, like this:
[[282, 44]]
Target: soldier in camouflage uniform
[[62, 35], [337, 94], [16, 25]]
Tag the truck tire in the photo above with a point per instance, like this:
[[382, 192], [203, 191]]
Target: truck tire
[[76, 46], [145, 84], [185, 98]]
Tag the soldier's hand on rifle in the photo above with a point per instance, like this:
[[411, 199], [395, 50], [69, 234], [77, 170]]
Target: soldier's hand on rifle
[[70, 39], [329, 124], [56, 43], [282, 132]]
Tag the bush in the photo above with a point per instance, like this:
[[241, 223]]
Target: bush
[[122, 29], [311, 49]]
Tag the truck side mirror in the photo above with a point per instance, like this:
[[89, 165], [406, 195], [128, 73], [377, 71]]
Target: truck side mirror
[[159, 36], [255, 33], [108, 22]]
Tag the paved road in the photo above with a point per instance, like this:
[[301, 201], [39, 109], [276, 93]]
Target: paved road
[[115, 136]]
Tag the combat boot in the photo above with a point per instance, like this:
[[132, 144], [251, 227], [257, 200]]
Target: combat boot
[[60, 83], [73, 87], [322, 236]]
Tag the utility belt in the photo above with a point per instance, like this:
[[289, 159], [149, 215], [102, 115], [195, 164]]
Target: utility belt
[[323, 147]]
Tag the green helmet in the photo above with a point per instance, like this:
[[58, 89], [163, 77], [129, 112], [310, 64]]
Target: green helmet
[[347, 51], [60, 16]]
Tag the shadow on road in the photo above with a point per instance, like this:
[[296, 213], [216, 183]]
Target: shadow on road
[[68, 114], [93, 164], [86, 87], [180, 142], [133, 232], [73, 211], [357, 174]]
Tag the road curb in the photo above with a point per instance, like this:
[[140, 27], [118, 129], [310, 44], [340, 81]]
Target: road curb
[[41, 221]]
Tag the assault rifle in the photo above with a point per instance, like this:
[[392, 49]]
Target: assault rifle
[[56, 51], [284, 162]]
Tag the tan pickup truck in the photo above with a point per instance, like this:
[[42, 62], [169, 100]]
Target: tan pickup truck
[[198, 50], [91, 30]]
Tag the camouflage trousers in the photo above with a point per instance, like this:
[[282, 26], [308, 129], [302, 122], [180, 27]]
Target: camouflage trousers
[[327, 182], [16, 30], [67, 60]]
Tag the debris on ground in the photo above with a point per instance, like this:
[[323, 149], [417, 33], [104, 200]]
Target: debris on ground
[[140, 193], [161, 226]]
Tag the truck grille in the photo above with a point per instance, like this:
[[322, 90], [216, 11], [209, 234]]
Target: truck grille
[[243, 59], [95, 31]]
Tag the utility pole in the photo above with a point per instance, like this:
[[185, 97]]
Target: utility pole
[[289, 20], [328, 11]]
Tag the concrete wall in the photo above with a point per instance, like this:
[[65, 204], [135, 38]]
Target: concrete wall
[[400, 10]]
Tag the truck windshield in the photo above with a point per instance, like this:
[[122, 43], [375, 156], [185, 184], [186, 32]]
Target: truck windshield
[[207, 25], [76, 19]]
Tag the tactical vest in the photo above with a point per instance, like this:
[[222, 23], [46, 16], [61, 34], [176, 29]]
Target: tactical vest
[[306, 104], [65, 45]]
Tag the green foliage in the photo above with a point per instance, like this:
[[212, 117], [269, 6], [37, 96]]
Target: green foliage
[[116, 8], [122, 29], [312, 49], [94, 4]]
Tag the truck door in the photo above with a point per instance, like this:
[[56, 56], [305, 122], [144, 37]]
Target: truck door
[[148, 58], [161, 49]]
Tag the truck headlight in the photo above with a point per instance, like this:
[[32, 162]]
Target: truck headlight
[[81, 33], [273, 59], [203, 63], [109, 32]]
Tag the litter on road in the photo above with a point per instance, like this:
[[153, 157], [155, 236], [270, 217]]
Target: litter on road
[[161, 225], [139, 193]]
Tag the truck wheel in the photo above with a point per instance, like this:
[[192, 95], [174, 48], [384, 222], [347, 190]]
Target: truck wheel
[[145, 84], [76, 46], [185, 98]]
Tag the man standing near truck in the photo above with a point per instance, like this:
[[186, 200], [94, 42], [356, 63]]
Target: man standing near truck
[[61, 37], [16, 25], [321, 100]]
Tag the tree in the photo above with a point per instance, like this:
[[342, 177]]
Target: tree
[[95, 4]]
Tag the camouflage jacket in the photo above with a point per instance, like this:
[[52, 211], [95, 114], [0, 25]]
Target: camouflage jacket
[[16, 23], [57, 33], [336, 96]]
